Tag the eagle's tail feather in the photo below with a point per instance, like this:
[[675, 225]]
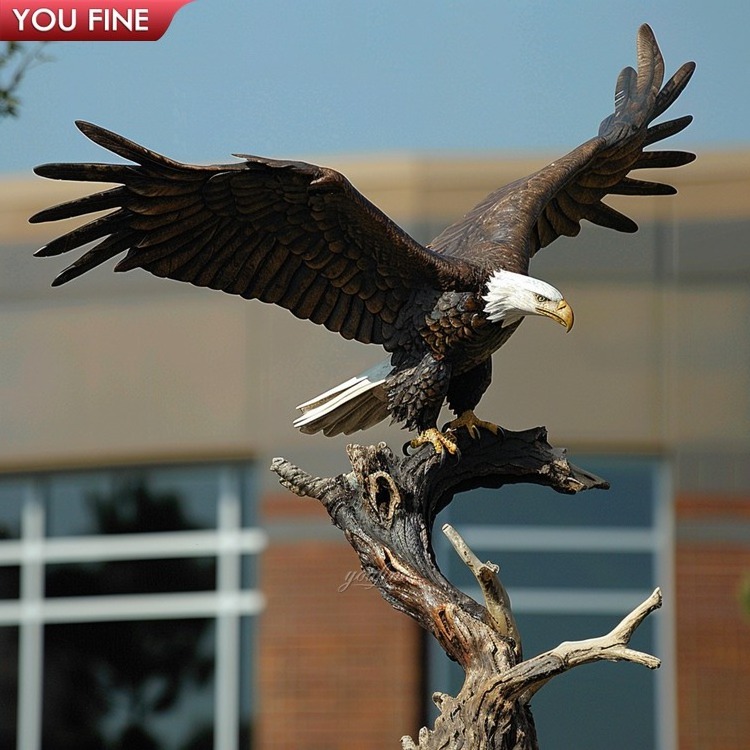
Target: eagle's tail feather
[[355, 404]]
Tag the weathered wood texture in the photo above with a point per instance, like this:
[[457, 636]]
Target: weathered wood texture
[[386, 507]]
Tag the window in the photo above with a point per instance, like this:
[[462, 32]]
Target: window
[[126, 606], [574, 566]]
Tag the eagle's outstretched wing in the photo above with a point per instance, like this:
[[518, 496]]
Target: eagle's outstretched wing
[[511, 224], [290, 233]]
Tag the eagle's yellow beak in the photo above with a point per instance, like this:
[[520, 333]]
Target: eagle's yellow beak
[[563, 314]]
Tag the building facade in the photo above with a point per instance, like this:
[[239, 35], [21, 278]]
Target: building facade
[[138, 417]]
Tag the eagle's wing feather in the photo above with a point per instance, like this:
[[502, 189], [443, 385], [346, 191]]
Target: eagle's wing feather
[[290, 233], [511, 224]]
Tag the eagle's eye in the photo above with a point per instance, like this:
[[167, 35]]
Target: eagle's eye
[[541, 298]]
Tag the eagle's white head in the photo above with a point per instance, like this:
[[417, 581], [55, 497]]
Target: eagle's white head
[[511, 296]]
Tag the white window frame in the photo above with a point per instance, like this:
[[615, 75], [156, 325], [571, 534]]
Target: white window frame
[[228, 542]]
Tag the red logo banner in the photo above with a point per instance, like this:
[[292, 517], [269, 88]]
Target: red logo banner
[[86, 20]]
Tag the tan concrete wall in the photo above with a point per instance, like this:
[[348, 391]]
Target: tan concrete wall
[[128, 367], [200, 372]]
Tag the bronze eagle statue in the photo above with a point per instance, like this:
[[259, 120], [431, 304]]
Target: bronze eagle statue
[[302, 237]]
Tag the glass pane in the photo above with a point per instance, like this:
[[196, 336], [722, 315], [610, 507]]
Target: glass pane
[[198, 490], [129, 685], [567, 570], [8, 687], [628, 502], [249, 571], [250, 491], [130, 577], [69, 502], [127, 502], [11, 498], [594, 705], [12, 493], [10, 582]]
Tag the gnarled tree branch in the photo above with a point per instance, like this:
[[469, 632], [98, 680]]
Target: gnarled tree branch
[[386, 506]]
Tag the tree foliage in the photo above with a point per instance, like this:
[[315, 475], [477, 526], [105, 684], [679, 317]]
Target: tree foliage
[[15, 61]]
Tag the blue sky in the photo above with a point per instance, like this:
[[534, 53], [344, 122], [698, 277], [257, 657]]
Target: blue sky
[[307, 79]]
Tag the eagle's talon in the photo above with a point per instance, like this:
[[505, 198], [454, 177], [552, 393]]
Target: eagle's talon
[[440, 441], [472, 423]]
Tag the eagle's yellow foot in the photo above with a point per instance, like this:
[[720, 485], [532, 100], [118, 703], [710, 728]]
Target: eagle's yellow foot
[[440, 441], [472, 423]]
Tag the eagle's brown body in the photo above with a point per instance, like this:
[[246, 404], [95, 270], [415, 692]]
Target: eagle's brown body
[[300, 236]]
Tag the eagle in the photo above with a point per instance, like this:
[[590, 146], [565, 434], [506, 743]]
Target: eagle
[[302, 237]]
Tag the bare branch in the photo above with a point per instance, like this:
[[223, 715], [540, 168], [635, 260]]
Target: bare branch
[[496, 597], [613, 645], [532, 674]]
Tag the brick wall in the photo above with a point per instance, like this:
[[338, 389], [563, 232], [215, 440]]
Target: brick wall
[[713, 631], [341, 669], [337, 669]]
